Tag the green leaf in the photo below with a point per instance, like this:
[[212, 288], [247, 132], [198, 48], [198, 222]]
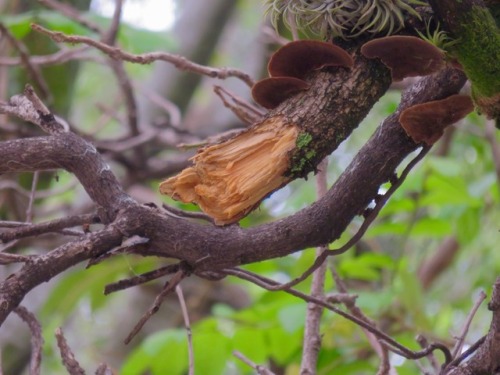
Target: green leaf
[[80, 283], [445, 166], [366, 266], [410, 294], [441, 190], [431, 227], [211, 352], [468, 225], [282, 345], [387, 228], [161, 353], [18, 25], [250, 342], [292, 317]]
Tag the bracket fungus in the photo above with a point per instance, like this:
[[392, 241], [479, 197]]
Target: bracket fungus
[[290, 64], [406, 56], [271, 92], [426, 122], [296, 59]]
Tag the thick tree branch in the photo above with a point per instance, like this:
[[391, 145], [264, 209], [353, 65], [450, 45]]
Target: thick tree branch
[[204, 247]]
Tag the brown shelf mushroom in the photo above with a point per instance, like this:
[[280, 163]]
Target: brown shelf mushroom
[[290, 64], [270, 92], [406, 56], [300, 57], [426, 122]]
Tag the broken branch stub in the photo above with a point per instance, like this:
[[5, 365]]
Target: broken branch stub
[[426, 122], [228, 180]]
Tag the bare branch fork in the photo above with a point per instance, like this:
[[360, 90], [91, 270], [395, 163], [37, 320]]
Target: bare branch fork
[[182, 239]]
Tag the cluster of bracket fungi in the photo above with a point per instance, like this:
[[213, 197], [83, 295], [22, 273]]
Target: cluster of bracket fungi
[[229, 179], [405, 56]]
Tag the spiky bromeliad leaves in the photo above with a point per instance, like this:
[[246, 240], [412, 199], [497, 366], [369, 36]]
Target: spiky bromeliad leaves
[[343, 18]]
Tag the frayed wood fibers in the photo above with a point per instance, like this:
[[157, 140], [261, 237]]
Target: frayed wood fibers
[[230, 179]]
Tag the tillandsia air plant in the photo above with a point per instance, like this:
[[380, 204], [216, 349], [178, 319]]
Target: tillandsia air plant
[[437, 37], [343, 18]]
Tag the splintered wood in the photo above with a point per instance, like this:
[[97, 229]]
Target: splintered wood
[[230, 179]]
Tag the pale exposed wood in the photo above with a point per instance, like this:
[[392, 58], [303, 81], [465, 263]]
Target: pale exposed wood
[[229, 179]]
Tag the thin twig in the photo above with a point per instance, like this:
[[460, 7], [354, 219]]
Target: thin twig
[[33, 70], [116, 65], [178, 61], [141, 279], [67, 356], [261, 370], [170, 108], [243, 110], [185, 315], [167, 288], [379, 349], [31, 203], [380, 203], [466, 353], [36, 338], [59, 57], [26, 229], [423, 342], [312, 337], [112, 32], [393, 345], [130, 244], [460, 341], [187, 214]]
